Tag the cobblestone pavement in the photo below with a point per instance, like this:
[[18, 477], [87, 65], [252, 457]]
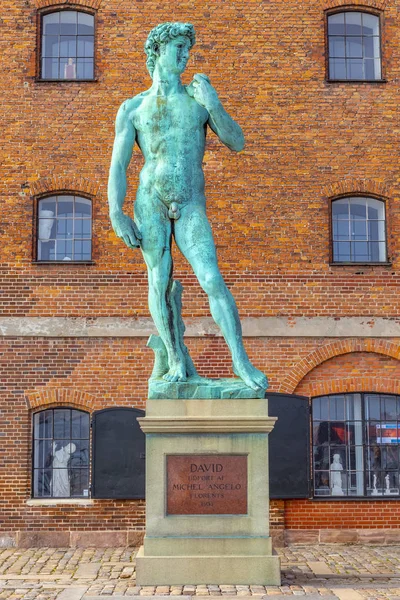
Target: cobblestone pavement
[[344, 572]]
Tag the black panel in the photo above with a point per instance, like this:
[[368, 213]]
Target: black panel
[[289, 446], [118, 454]]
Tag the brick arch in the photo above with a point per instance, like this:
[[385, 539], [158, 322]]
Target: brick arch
[[94, 4], [347, 187], [330, 4], [60, 396], [336, 348], [63, 183]]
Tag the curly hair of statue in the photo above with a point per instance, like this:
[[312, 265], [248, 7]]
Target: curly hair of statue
[[162, 34]]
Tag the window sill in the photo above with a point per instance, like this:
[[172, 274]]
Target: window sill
[[38, 80], [355, 498], [64, 262], [58, 501], [356, 80], [360, 264]]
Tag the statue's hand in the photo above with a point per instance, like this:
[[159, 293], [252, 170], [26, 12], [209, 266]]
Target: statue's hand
[[203, 92], [126, 229]]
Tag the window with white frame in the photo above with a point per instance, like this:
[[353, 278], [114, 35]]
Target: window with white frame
[[358, 230], [61, 453], [354, 46], [64, 229], [356, 441], [67, 45]]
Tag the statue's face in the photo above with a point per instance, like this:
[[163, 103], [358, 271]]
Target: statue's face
[[174, 55]]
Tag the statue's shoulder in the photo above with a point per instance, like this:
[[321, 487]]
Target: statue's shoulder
[[131, 105]]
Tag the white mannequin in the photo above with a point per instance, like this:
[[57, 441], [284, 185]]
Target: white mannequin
[[336, 477], [387, 484], [45, 224], [60, 480], [374, 488]]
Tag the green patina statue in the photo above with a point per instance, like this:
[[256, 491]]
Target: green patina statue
[[169, 123]]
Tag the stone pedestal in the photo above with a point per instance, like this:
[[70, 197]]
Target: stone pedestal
[[207, 500]]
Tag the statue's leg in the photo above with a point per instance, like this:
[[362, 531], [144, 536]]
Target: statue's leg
[[194, 238], [156, 248]]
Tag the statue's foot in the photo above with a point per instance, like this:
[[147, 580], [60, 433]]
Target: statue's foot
[[252, 377], [176, 373]]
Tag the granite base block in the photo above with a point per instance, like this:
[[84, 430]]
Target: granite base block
[[207, 570]]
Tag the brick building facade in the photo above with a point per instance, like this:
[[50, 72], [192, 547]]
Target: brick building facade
[[73, 332]]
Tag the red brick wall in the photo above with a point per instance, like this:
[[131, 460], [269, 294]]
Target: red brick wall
[[307, 141]]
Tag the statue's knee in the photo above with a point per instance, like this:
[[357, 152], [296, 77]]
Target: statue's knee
[[212, 284]]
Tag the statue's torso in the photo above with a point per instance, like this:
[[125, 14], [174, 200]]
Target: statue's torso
[[171, 134]]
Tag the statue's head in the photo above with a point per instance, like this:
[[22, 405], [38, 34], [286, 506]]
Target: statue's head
[[159, 38]]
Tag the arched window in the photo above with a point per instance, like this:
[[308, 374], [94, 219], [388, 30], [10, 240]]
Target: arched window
[[64, 229], [356, 442], [354, 46], [358, 230], [67, 49], [61, 453]]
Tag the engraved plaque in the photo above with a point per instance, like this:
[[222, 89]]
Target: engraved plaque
[[207, 484]]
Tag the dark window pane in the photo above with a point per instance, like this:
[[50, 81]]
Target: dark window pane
[[390, 458], [85, 68], [43, 453], [321, 458], [360, 251], [46, 250], [341, 251], [64, 228], [340, 209], [68, 46], [358, 209], [63, 250], [68, 22], [374, 458], [322, 433], [80, 457], [83, 207], [65, 206], [85, 47], [321, 483], [337, 412], [372, 407], [80, 425], [82, 228], [354, 47], [49, 68], [62, 423], [337, 68], [43, 424], [341, 231], [50, 47], [85, 24], [371, 47], [86, 250], [353, 23], [336, 24], [373, 231], [42, 483], [79, 484], [355, 69], [51, 24], [370, 24], [336, 47], [316, 409], [359, 230], [372, 68], [389, 407]]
